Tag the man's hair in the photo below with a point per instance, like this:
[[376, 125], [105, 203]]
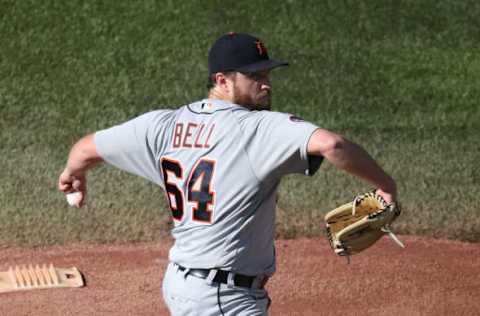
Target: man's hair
[[211, 82], [211, 78]]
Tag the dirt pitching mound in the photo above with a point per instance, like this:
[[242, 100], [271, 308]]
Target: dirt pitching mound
[[429, 277]]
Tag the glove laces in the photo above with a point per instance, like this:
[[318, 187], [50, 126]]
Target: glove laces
[[387, 229]]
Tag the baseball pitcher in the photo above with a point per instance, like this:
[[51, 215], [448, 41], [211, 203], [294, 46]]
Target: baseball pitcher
[[220, 161]]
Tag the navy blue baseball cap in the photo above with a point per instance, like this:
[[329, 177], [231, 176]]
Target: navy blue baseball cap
[[240, 52]]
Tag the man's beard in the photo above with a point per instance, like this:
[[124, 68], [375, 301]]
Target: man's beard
[[262, 100]]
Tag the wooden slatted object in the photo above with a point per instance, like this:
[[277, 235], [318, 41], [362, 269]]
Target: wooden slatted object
[[25, 277]]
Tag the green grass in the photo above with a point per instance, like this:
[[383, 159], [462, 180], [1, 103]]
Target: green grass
[[402, 78]]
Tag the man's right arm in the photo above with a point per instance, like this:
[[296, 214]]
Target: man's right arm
[[82, 157], [350, 157]]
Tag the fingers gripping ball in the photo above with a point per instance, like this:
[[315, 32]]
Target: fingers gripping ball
[[356, 226], [73, 199]]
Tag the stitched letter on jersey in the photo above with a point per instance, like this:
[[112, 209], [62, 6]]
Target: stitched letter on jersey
[[192, 135]]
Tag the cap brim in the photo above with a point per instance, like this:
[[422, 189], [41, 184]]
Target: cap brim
[[263, 65]]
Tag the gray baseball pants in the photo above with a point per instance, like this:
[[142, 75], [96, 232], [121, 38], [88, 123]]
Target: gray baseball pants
[[188, 295]]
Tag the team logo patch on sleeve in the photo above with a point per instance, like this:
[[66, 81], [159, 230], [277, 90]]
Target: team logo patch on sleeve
[[294, 118]]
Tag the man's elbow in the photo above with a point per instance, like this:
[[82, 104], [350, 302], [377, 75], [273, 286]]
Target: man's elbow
[[85, 150], [336, 142], [325, 143]]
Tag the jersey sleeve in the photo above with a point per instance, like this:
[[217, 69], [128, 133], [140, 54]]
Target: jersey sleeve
[[135, 145], [277, 144]]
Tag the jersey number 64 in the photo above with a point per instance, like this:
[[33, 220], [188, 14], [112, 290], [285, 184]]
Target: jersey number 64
[[199, 188]]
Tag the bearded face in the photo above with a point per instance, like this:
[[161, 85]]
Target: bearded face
[[252, 90]]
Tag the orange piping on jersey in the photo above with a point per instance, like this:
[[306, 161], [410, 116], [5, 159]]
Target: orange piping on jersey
[[167, 181], [210, 205], [207, 145], [177, 135], [197, 145], [188, 134]]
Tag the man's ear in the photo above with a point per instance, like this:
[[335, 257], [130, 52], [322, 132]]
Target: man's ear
[[220, 78], [223, 81]]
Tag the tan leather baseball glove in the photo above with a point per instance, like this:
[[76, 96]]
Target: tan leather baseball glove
[[356, 226]]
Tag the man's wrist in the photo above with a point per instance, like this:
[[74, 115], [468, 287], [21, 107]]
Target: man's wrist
[[389, 185]]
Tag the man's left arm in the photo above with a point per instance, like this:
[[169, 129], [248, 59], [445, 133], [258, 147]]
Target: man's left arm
[[352, 158]]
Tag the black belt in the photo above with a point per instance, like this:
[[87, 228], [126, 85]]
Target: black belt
[[222, 277]]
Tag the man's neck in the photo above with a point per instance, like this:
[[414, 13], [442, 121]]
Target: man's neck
[[219, 95]]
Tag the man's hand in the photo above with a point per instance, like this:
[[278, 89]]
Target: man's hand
[[83, 156], [68, 183], [389, 196], [357, 225]]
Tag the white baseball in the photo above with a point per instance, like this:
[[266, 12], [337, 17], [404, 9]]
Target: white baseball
[[73, 198]]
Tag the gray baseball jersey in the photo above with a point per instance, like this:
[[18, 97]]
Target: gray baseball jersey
[[220, 165]]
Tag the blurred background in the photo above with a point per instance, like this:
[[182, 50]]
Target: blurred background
[[402, 78]]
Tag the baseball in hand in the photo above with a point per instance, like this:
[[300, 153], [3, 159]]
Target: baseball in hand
[[73, 198]]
